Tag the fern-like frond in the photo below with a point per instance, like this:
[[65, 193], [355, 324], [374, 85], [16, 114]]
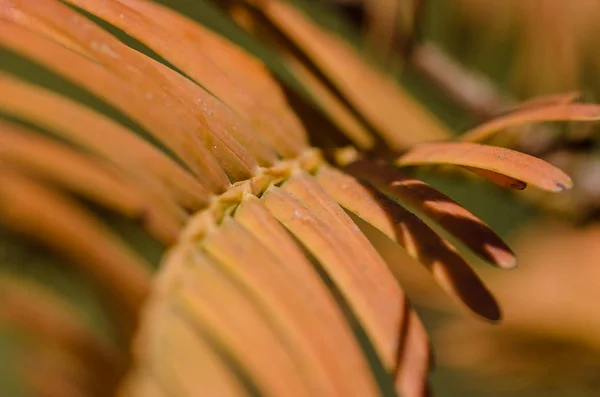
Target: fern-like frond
[[267, 287]]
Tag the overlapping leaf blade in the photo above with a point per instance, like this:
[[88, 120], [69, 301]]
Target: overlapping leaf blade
[[449, 269], [100, 135], [522, 167], [394, 114], [535, 112]]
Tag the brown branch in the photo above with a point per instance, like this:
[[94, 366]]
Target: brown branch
[[471, 90]]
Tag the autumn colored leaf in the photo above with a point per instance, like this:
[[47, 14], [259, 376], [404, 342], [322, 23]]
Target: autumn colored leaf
[[213, 63], [210, 300], [335, 335], [137, 101], [58, 164], [175, 339], [39, 313], [522, 167], [160, 82], [199, 368], [320, 237], [392, 112], [533, 113], [56, 221], [289, 303], [422, 243], [431, 203], [266, 286], [411, 376], [339, 114], [100, 135]]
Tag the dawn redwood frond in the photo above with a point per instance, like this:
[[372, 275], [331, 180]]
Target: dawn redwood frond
[[166, 337], [333, 330], [166, 86], [285, 299], [57, 221], [224, 124], [361, 276], [214, 304], [235, 78], [523, 167], [371, 93], [44, 158], [175, 339], [199, 370], [415, 360], [156, 113], [267, 287], [54, 163], [435, 205], [534, 113], [143, 383], [102, 136], [447, 266], [334, 107], [38, 313], [340, 115]]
